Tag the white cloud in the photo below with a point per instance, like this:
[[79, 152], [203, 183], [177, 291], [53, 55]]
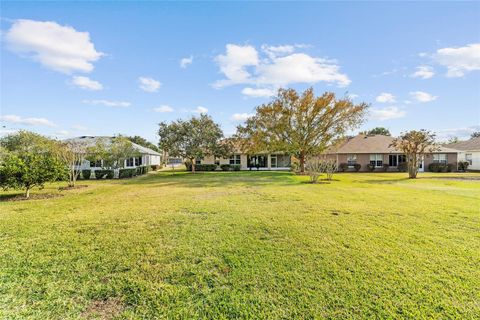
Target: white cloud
[[279, 66], [108, 103], [62, 133], [421, 96], [241, 116], [461, 133], [386, 113], [27, 121], [163, 109], [424, 72], [459, 61], [149, 84], [186, 61], [258, 92], [60, 48], [86, 83], [79, 127], [233, 64], [385, 97], [200, 110]]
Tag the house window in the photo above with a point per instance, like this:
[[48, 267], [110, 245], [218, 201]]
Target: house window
[[351, 160], [376, 160], [392, 160], [402, 158], [440, 158], [273, 161], [235, 159], [468, 158], [198, 161], [138, 161], [96, 164], [130, 162]]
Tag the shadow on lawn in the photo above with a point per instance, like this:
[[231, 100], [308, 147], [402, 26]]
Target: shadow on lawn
[[215, 179]]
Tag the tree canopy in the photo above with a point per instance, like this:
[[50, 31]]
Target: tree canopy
[[300, 124], [29, 160], [193, 139], [415, 144], [113, 153], [378, 130], [143, 142]]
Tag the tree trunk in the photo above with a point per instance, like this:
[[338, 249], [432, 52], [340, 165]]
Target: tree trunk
[[27, 193], [302, 162], [193, 166]]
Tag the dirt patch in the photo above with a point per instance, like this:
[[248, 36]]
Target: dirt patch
[[103, 309], [21, 197], [80, 186]]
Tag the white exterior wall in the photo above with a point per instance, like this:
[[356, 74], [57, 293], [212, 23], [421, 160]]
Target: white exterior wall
[[243, 162], [475, 159]]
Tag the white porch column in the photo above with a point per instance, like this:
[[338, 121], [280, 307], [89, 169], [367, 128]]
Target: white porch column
[[269, 161]]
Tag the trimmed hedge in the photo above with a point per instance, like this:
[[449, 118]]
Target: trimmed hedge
[[225, 167], [370, 167], [127, 173], [236, 167], [104, 174], [343, 167], [463, 165], [155, 167], [440, 167], [385, 167], [86, 174], [357, 167]]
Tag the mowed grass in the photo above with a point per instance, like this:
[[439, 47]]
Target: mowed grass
[[264, 245]]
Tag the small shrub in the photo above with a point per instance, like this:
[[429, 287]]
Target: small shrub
[[343, 167], [450, 167], [86, 174], [104, 174], [205, 167], [370, 167], [126, 173], [385, 167], [357, 167], [236, 167], [155, 167], [139, 171], [402, 167], [225, 167], [314, 169], [438, 167], [463, 165]]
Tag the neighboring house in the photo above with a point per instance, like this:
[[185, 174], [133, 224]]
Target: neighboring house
[[376, 150], [259, 161], [147, 157], [469, 151]]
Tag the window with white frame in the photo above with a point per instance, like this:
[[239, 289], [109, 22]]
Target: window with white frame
[[273, 161], [235, 159], [440, 158], [468, 158], [376, 160], [351, 159], [130, 162]]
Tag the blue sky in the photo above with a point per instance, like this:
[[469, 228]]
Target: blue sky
[[70, 69]]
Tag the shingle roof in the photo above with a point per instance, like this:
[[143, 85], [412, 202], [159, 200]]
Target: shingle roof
[[376, 144], [469, 145], [90, 141]]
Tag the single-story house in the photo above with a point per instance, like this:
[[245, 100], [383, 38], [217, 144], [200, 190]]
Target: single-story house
[[376, 150], [469, 151], [147, 157]]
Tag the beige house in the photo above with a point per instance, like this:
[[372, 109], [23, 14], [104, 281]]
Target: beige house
[[469, 151], [261, 161], [376, 150]]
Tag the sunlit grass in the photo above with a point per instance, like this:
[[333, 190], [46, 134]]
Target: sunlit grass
[[245, 245]]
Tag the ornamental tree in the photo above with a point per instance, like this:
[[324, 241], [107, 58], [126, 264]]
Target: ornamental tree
[[300, 124], [29, 160], [193, 139], [415, 144]]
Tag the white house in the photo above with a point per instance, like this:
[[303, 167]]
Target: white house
[[148, 157], [469, 151]]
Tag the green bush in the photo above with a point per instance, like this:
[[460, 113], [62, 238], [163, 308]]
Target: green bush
[[370, 167], [402, 167], [127, 173], [155, 167], [236, 167], [463, 165], [438, 167], [86, 174], [343, 167], [102, 174], [357, 167], [205, 167], [450, 167], [225, 167], [139, 171]]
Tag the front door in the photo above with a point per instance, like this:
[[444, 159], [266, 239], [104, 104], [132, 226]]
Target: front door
[[421, 165]]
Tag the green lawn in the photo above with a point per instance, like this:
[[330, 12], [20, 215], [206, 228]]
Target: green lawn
[[245, 245]]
